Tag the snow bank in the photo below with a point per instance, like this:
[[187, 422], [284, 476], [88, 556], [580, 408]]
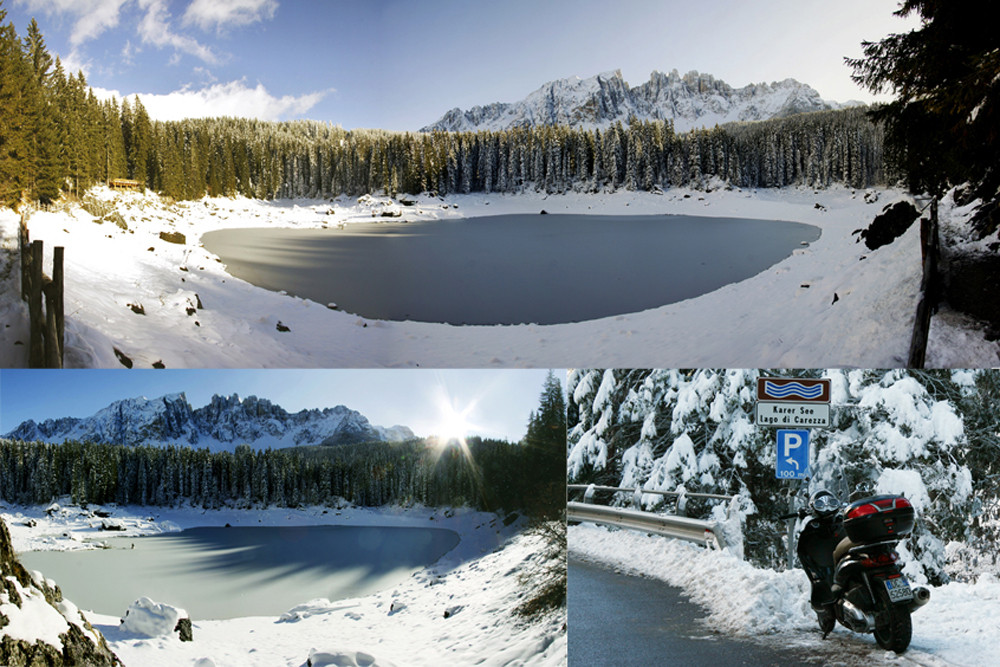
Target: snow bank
[[739, 598], [345, 659], [957, 627]]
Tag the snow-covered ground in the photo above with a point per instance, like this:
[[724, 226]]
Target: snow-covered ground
[[957, 627], [833, 303], [455, 612]]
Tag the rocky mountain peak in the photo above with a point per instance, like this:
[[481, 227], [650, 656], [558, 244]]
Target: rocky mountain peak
[[224, 423], [692, 100]]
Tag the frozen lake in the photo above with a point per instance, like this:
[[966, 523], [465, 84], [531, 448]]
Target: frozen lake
[[509, 269], [232, 572]]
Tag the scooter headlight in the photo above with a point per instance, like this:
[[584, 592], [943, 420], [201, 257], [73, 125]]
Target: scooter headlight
[[823, 502]]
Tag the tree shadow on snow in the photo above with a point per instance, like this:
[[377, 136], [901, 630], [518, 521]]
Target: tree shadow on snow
[[277, 552]]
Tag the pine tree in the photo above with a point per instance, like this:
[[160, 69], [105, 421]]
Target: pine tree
[[16, 126], [942, 126], [545, 443]]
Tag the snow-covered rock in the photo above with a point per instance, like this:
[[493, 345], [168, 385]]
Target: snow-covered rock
[[147, 618], [39, 627], [344, 659], [691, 101]]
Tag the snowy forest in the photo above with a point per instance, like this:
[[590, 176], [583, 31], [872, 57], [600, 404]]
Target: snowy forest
[[932, 435], [59, 137], [368, 474]]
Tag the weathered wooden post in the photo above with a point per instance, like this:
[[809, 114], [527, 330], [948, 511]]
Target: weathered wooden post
[[60, 290], [36, 349], [53, 349], [25, 255], [930, 247]]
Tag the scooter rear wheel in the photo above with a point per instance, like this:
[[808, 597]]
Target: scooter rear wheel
[[893, 628]]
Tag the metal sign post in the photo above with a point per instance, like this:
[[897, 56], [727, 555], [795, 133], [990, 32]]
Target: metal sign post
[[793, 402]]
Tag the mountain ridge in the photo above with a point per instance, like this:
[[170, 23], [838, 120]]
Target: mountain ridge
[[221, 425], [691, 101]]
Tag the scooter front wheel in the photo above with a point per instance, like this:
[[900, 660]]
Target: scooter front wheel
[[893, 628], [827, 621]]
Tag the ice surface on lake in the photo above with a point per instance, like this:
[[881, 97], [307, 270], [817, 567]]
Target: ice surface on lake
[[509, 269], [240, 571]]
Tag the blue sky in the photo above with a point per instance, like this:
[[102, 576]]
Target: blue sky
[[401, 65], [502, 400]]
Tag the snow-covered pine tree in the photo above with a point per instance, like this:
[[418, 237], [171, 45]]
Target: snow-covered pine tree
[[896, 431]]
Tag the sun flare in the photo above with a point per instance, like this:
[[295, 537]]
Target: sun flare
[[453, 424]]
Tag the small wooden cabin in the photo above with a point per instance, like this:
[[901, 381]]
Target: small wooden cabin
[[124, 184]]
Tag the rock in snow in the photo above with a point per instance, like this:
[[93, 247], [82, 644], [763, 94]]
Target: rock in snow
[[39, 627]]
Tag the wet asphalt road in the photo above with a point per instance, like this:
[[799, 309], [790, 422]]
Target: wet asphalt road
[[617, 619]]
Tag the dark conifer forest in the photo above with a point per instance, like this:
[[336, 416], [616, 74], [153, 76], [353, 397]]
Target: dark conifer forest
[[57, 137], [493, 475]]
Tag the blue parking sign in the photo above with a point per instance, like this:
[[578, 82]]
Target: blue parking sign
[[793, 454]]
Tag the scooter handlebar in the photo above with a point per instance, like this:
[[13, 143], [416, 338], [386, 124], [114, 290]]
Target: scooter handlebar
[[794, 515]]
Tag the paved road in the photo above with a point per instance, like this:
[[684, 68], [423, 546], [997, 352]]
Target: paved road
[[617, 619]]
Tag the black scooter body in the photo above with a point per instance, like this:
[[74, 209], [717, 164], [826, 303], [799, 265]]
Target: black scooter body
[[817, 542]]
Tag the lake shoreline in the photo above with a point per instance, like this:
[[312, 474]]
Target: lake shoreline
[[232, 572], [509, 269]]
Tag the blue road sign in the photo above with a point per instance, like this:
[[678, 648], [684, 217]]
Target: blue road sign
[[793, 454]]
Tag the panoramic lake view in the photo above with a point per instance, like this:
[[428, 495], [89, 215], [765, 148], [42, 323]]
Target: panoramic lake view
[[509, 269], [233, 572]]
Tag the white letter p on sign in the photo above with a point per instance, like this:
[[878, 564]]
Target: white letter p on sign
[[792, 441]]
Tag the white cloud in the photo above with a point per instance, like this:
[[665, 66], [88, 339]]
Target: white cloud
[[207, 14], [225, 99], [128, 53], [74, 63], [154, 28], [93, 17]]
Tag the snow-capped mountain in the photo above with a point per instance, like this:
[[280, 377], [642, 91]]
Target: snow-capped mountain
[[692, 101], [227, 421]]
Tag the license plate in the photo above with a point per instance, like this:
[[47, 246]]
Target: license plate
[[899, 589]]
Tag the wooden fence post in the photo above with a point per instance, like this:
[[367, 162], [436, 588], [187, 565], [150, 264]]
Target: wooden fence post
[[47, 330], [930, 247], [24, 241], [36, 350], [50, 339], [60, 290]]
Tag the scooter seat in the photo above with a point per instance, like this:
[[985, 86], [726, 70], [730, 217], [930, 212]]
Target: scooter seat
[[842, 548]]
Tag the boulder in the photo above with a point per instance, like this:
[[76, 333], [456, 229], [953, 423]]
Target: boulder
[[173, 237], [147, 618], [889, 225], [39, 627]]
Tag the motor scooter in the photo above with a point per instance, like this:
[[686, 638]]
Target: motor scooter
[[848, 552]]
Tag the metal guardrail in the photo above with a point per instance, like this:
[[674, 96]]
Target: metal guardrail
[[700, 532], [705, 533]]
